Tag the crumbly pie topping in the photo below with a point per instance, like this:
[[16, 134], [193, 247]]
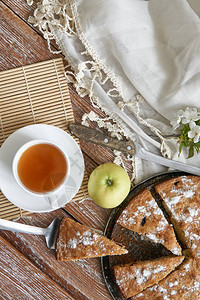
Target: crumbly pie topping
[[133, 278], [182, 200], [141, 275], [76, 241], [144, 216], [87, 238], [151, 208], [183, 283]]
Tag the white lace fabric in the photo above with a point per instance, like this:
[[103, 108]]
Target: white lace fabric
[[137, 60]]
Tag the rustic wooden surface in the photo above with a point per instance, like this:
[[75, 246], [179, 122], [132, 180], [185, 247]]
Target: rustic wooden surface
[[28, 269]]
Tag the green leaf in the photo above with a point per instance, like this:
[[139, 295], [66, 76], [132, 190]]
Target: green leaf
[[180, 148], [197, 144], [187, 142], [191, 151], [185, 129], [197, 122]]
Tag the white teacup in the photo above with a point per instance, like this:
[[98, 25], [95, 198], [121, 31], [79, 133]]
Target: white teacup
[[19, 160]]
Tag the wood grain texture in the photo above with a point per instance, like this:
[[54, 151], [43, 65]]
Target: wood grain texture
[[82, 279], [23, 10], [19, 275], [20, 44]]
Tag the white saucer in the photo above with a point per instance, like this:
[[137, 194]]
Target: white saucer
[[39, 203]]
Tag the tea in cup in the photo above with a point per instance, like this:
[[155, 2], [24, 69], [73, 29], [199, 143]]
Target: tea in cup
[[41, 167]]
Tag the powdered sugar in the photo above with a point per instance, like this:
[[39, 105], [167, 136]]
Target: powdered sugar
[[182, 200], [140, 278], [174, 283], [161, 289], [173, 292], [147, 273], [86, 239], [159, 269], [188, 194], [187, 267], [194, 212], [146, 211], [174, 200], [140, 274], [72, 243], [155, 227], [144, 275], [187, 181], [154, 238], [175, 250], [183, 205], [150, 209]]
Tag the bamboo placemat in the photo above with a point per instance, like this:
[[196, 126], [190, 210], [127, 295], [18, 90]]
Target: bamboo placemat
[[34, 94]]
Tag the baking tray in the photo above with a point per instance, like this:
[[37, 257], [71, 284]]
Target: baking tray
[[139, 247]]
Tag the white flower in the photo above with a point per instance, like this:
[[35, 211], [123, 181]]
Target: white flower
[[176, 122], [190, 114], [194, 132]]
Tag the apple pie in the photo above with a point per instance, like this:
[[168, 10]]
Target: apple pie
[[183, 283], [76, 241], [143, 216], [181, 199], [134, 278]]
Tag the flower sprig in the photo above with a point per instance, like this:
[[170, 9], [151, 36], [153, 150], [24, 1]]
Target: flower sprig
[[189, 122]]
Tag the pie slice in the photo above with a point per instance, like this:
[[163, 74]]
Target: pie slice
[[181, 199], [182, 283], [76, 241], [134, 278], [143, 216]]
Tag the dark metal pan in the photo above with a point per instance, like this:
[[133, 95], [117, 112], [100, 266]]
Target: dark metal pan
[[140, 248]]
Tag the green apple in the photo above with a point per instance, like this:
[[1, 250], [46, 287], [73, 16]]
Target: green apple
[[108, 185]]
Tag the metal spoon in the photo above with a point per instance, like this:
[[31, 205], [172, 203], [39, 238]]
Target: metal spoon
[[50, 233]]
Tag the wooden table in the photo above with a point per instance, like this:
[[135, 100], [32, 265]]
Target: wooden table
[[28, 269]]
